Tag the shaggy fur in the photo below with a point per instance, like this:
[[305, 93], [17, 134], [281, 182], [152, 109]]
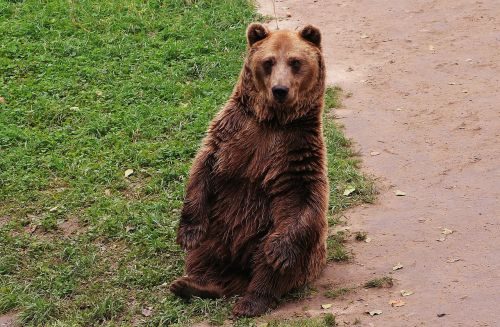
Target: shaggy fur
[[254, 217]]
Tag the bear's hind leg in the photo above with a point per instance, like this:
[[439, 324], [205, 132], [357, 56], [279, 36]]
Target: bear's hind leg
[[208, 277], [267, 286]]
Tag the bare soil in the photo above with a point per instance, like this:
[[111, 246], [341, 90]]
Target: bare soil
[[424, 113], [7, 320]]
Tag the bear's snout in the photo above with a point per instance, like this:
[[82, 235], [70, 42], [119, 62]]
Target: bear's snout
[[280, 92]]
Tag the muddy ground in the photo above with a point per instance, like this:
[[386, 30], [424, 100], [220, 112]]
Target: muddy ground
[[424, 80]]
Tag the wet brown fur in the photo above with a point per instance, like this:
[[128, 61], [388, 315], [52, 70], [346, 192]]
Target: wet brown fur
[[254, 217]]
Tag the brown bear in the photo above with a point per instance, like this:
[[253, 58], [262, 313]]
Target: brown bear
[[254, 217]]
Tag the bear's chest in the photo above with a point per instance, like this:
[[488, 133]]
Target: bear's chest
[[248, 153]]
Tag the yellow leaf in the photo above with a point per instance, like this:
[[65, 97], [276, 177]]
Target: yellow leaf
[[398, 266], [446, 231], [349, 190], [406, 293], [397, 303]]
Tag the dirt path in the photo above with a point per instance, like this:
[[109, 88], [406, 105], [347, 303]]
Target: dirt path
[[425, 83]]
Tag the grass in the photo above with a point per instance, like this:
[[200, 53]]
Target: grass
[[339, 292], [381, 282], [91, 89], [360, 236]]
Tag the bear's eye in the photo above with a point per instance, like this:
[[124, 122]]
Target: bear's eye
[[268, 65], [295, 64]]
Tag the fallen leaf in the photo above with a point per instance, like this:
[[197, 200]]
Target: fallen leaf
[[374, 312], [399, 193], [442, 239], [349, 190], [364, 36], [2, 100], [288, 14], [397, 303], [446, 231], [107, 192], [398, 266], [265, 324], [99, 93], [431, 47], [441, 315], [146, 312], [368, 240], [326, 306], [53, 209], [452, 83], [406, 293], [399, 109], [374, 153], [452, 260], [74, 108], [128, 172]]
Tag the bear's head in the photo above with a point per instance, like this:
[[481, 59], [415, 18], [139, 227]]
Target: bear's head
[[284, 76]]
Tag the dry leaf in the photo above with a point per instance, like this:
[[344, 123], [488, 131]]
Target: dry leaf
[[288, 14], [107, 192], [374, 312], [368, 240], [265, 324], [128, 172], [397, 303], [53, 209], [349, 190], [452, 260], [374, 153], [446, 231], [398, 266], [406, 293], [326, 306], [146, 312], [399, 109], [431, 47], [2, 100], [399, 193], [442, 239], [364, 36]]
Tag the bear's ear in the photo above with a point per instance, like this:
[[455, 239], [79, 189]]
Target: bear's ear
[[312, 34], [256, 32]]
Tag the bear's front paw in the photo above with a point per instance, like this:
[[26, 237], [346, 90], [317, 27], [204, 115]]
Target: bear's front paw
[[190, 236], [280, 254]]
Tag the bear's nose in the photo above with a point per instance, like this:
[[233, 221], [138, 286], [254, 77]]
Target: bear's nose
[[280, 92]]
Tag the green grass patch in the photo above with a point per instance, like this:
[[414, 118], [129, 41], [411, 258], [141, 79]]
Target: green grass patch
[[382, 282], [91, 89], [336, 247], [339, 292], [360, 236]]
